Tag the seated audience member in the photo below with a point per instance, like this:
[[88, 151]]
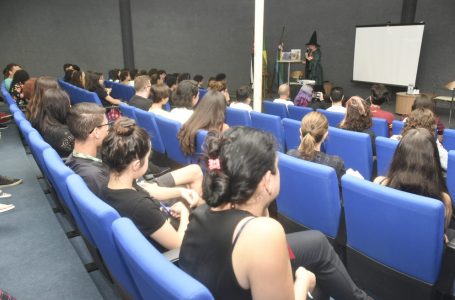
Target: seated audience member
[[17, 84], [220, 86], [160, 93], [52, 125], [95, 83], [8, 72], [247, 255], [424, 118], [152, 71], [416, 168], [125, 77], [304, 96], [142, 72], [141, 98], [29, 88], [210, 82], [78, 79], [208, 115], [154, 79], [379, 95], [284, 93], [183, 76], [68, 70], [200, 80], [171, 82], [358, 118], [35, 107], [221, 77], [423, 101], [243, 99], [89, 126], [126, 151], [337, 97], [314, 129], [113, 75], [185, 97], [162, 76]]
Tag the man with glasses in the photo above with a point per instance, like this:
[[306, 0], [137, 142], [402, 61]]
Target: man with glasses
[[141, 98], [89, 126]]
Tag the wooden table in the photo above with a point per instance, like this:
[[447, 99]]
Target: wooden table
[[404, 102]]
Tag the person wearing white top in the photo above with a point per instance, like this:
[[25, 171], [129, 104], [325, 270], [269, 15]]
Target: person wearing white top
[[243, 99], [185, 97], [283, 92], [337, 96]]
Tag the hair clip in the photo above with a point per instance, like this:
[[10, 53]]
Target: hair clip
[[214, 164]]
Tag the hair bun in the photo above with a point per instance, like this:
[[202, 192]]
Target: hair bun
[[124, 126]]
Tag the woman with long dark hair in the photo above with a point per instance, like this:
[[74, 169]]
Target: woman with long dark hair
[[415, 168], [52, 125], [78, 79], [208, 115], [235, 249], [95, 83], [35, 106]]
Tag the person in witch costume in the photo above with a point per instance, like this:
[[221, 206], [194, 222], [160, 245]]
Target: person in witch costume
[[313, 67]]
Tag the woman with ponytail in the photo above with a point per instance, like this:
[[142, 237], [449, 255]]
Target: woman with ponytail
[[126, 151], [313, 132], [232, 245]]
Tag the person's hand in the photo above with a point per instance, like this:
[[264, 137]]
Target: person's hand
[[190, 196], [108, 90], [178, 210], [307, 277]]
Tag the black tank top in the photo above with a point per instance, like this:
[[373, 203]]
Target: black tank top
[[206, 252]]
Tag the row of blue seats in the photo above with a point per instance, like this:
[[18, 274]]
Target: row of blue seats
[[139, 270], [367, 208]]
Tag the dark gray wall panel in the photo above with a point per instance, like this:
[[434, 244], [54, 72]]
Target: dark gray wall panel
[[43, 35]]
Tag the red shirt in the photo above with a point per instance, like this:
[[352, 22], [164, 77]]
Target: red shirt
[[377, 112]]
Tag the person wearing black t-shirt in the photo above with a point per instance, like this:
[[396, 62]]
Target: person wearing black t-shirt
[[95, 83], [126, 151]]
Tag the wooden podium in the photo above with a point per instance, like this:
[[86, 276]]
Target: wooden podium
[[404, 102]]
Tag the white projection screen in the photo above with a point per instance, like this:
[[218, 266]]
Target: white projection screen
[[387, 54]]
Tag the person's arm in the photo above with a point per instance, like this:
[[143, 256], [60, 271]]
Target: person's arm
[[113, 101], [448, 209], [166, 235], [166, 193], [267, 272]]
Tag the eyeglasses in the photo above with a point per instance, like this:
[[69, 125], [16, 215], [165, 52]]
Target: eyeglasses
[[99, 126]]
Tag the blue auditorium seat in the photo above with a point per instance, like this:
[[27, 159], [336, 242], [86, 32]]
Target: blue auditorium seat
[[385, 149], [13, 108], [237, 117], [167, 106], [334, 118], [380, 127], [449, 139], [395, 240], [451, 175], [37, 147], [353, 147], [169, 130], [309, 194], [298, 112], [199, 153], [19, 117], [291, 133], [202, 93], [276, 109], [147, 121], [108, 83], [78, 95], [122, 91], [397, 127], [99, 216], [154, 276], [128, 111], [271, 124]]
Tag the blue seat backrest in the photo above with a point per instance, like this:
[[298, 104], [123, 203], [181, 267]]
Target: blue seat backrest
[[385, 149], [7, 95], [147, 121], [37, 146], [397, 127], [353, 147], [19, 117], [276, 109], [122, 91], [309, 194], [291, 133], [380, 127], [25, 127], [128, 111], [451, 175], [270, 124], [13, 108], [169, 130], [237, 117], [298, 112], [99, 216], [78, 95], [334, 118], [449, 139], [200, 140], [154, 276], [400, 230], [202, 93], [108, 83]]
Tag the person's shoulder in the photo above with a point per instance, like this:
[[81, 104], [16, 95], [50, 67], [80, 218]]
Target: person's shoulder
[[293, 152], [264, 228]]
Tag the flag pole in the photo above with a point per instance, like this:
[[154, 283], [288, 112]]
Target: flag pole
[[258, 48]]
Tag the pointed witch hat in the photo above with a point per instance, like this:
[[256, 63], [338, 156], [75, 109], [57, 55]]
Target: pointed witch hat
[[313, 40]]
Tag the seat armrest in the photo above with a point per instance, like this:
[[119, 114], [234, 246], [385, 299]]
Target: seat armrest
[[172, 255], [447, 275]]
